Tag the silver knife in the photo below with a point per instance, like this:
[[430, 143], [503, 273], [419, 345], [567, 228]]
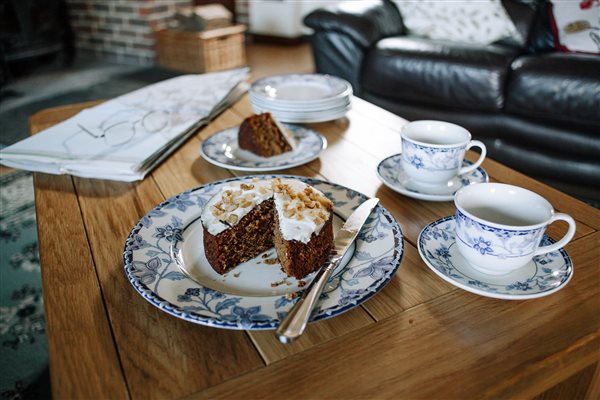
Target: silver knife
[[295, 321]]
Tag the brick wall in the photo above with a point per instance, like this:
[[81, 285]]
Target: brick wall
[[120, 30]]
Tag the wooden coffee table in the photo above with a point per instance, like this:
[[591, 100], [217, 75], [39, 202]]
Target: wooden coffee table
[[419, 337]]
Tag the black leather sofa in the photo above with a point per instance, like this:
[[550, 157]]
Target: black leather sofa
[[536, 109]]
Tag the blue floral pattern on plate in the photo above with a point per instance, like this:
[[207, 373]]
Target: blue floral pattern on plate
[[222, 150], [391, 173], [544, 275], [152, 270]]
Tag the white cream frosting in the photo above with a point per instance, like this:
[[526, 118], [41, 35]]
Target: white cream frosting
[[296, 220], [218, 215], [302, 210]]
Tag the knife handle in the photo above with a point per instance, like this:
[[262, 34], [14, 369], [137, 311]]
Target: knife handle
[[295, 321]]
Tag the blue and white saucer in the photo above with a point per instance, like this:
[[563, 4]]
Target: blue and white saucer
[[544, 275], [222, 149], [391, 173]]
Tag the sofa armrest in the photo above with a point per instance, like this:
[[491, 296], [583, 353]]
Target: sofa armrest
[[365, 22], [344, 33]]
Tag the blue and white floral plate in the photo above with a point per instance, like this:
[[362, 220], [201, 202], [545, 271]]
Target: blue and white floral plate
[[391, 173], [257, 294], [542, 276], [222, 149]]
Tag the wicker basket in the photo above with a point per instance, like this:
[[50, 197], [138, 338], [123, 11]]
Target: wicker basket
[[206, 51]]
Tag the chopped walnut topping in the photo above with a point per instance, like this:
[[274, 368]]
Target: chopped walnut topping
[[246, 204], [231, 207], [232, 219], [303, 197], [291, 296], [263, 190], [299, 217], [244, 186], [289, 213], [216, 210], [326, 202]]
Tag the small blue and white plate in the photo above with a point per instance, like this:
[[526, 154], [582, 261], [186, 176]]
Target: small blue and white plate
[[391, 173], [222, 149], [256, 294], [544, 275]]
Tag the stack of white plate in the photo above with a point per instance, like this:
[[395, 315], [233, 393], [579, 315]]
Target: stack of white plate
[[300, 98]]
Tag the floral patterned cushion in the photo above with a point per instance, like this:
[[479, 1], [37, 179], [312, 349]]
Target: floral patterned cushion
[[479, 22], [577, 25]]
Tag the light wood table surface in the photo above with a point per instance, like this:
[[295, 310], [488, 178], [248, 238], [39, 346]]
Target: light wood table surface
[[419, 337]]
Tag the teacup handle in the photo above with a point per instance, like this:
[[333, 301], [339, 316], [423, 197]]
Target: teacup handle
[[562, 242], [474, 143]]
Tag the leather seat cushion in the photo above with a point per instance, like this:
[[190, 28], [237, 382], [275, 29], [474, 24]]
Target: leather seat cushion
[[556, 87], [438, 72]]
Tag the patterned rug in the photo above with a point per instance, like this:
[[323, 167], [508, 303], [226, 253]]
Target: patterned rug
[[23, 344]]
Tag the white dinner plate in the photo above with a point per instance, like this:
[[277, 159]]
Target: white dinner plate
[[299, 107], [391, 173], [305, 117], [544, 275], [222, 149], [171, 233], [301, 88]]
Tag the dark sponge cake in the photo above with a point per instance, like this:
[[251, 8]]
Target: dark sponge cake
[[243, 220], [299, 259], [262, 135], [242, 242]]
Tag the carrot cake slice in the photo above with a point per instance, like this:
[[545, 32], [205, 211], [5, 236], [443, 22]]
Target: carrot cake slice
[[246, 218]]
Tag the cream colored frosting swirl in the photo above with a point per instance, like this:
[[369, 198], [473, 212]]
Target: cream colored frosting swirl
[[302, 210]]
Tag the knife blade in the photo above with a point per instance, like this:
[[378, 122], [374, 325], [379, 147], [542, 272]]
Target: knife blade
[[295, 321]]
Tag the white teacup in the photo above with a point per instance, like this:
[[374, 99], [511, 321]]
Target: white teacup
[[499, 227], [433, 151]]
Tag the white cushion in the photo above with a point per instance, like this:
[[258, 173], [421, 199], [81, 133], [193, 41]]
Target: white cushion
[[578, 25], [477, 21]]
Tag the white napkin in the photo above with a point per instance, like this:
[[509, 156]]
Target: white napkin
[[124, 138]]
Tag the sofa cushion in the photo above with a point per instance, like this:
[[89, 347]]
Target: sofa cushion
[[482, 21], [438, 72], [577, 25], [559, 87]]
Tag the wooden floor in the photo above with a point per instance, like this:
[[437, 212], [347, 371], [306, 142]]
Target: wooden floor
[[268, 59]]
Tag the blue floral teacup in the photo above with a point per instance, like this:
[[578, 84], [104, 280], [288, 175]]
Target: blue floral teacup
[[499, 227], [433, 151]]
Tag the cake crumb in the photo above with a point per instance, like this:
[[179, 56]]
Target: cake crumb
[[278, 283], [271, 261], [291, 296], [265, 255], [236, 275], [301, 283]]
